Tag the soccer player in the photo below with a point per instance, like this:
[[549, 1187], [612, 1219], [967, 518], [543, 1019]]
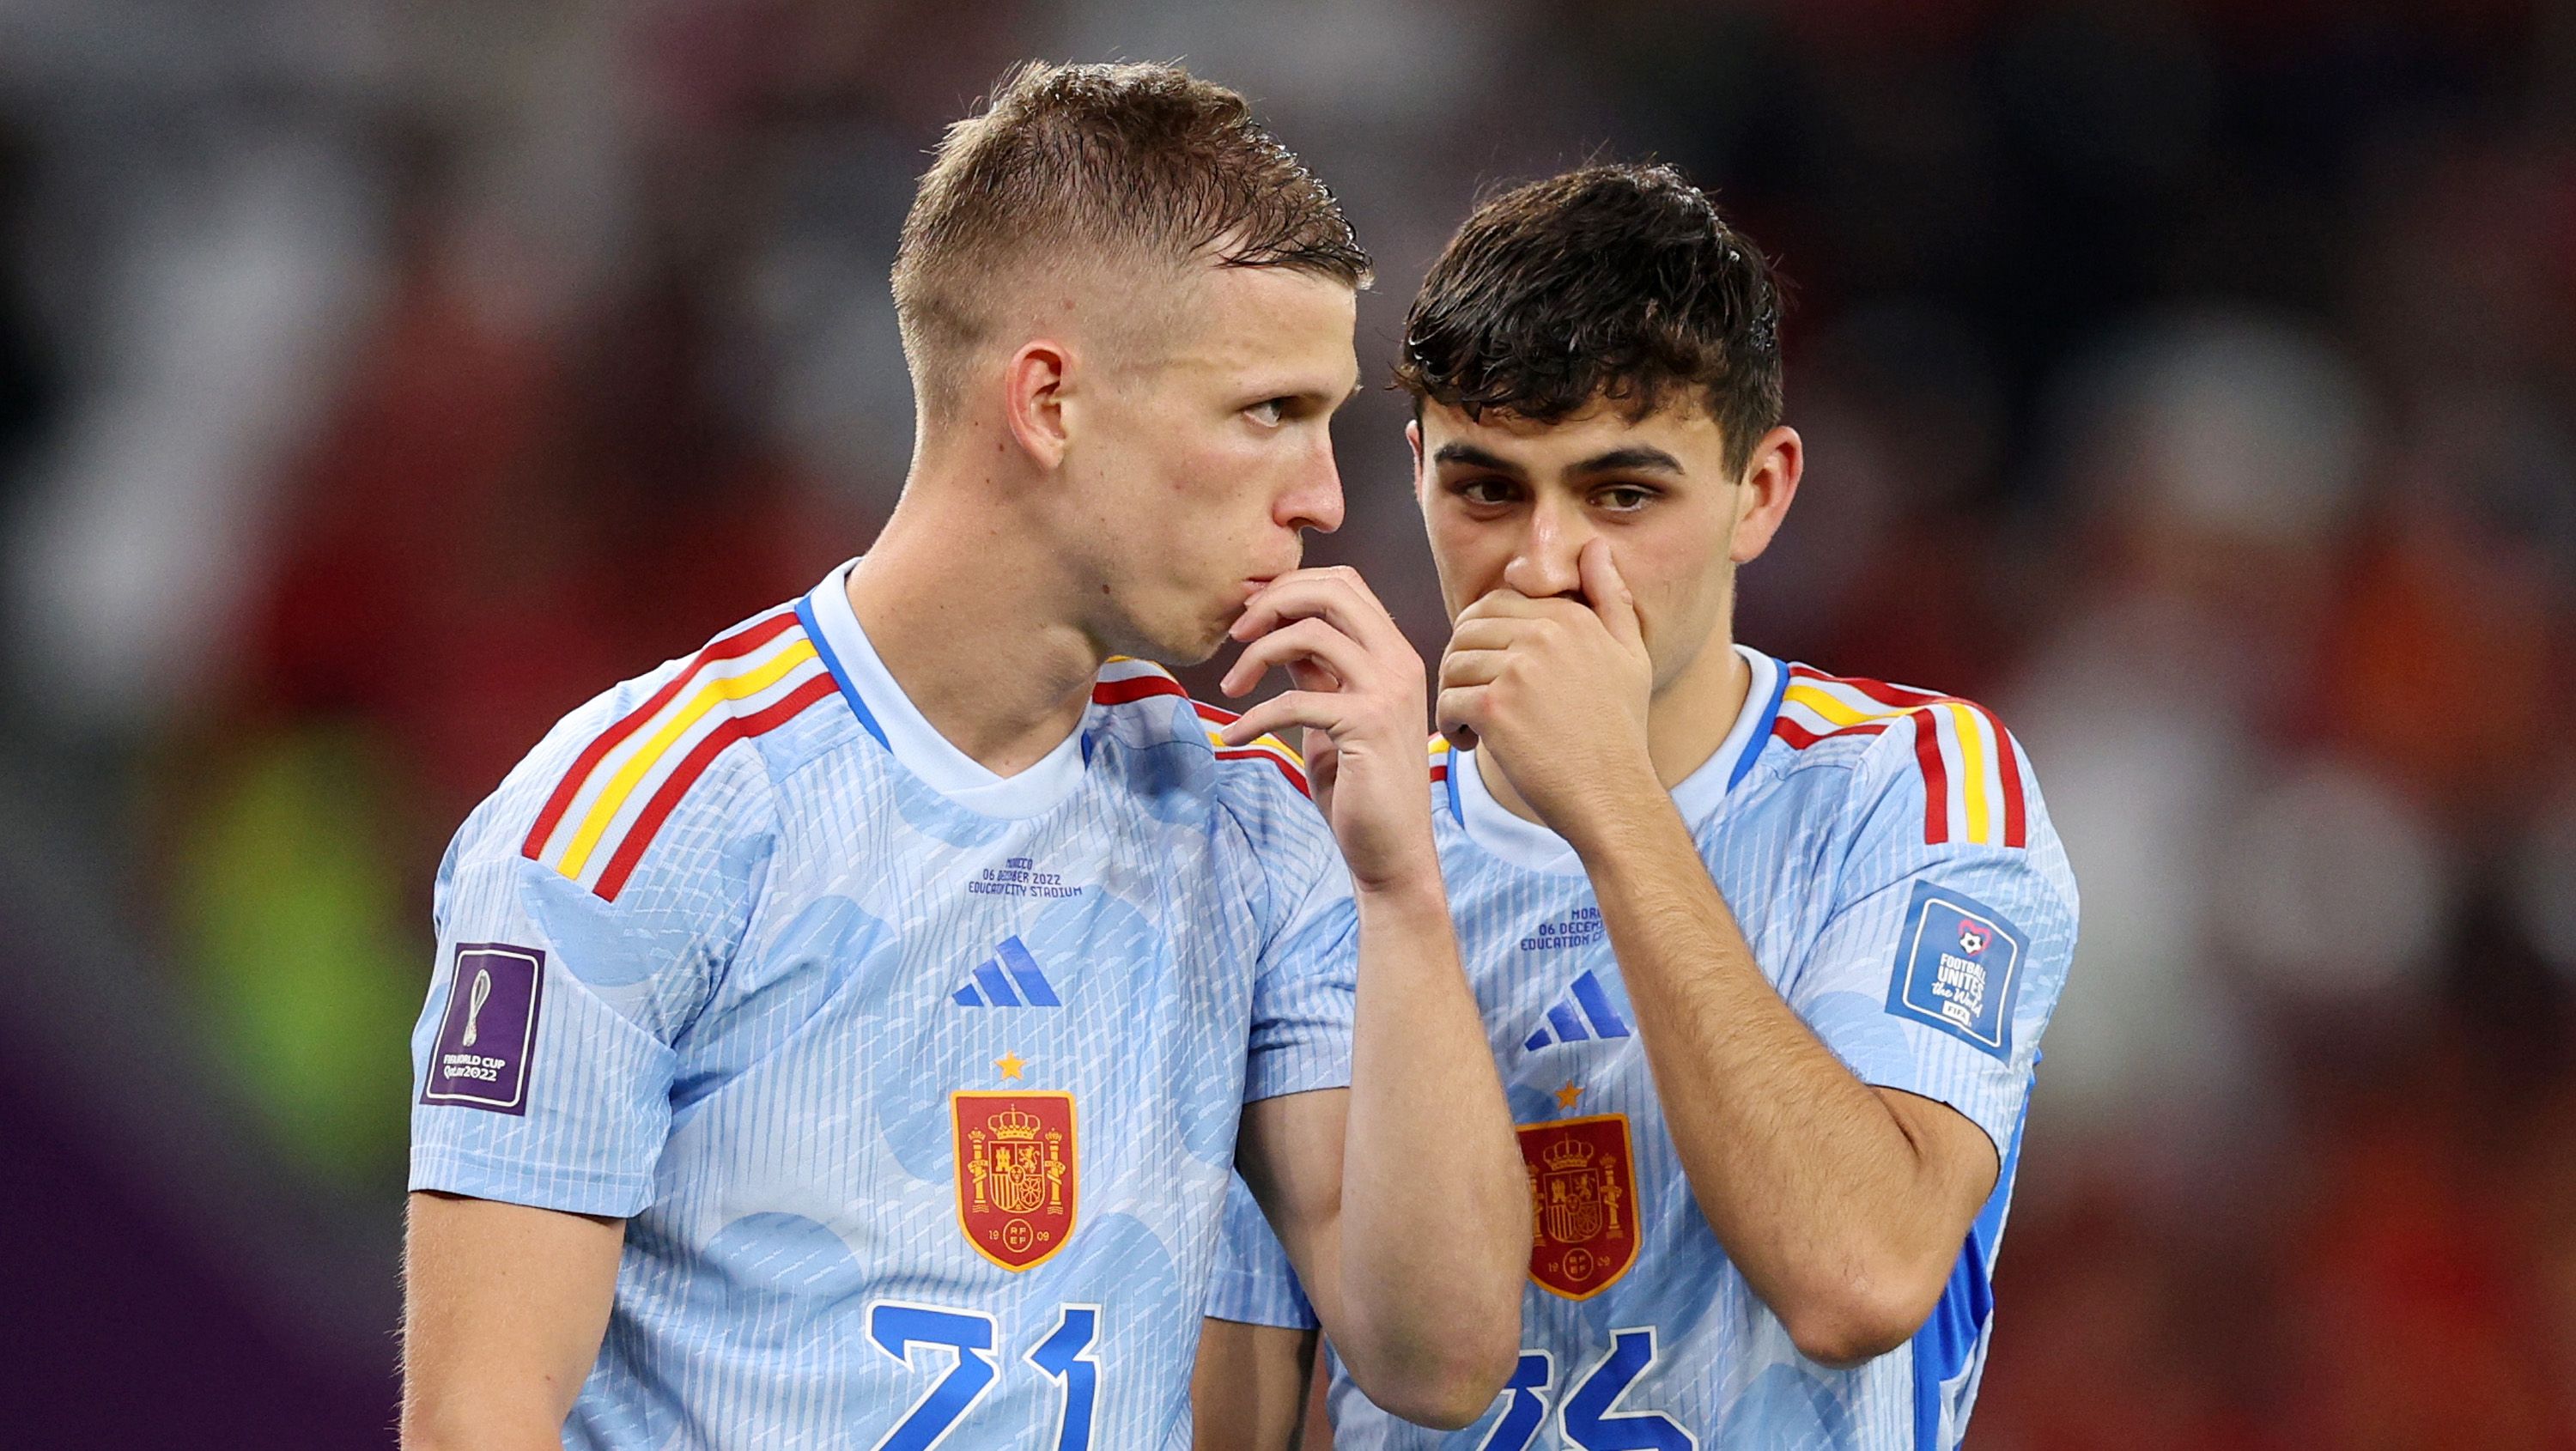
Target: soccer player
[[1764, 954], [839, 1036]]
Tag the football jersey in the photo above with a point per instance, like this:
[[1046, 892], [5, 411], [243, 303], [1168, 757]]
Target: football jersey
[[1887, 856], [917, 1086]]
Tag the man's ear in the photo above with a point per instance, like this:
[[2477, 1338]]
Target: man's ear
[[1770, 482], [1033, 387], [1421, 480]]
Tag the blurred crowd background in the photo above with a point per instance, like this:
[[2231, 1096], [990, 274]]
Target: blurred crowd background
[[2193, 382]]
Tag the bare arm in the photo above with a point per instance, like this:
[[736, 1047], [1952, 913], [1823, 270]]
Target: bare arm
[[1401, 1200], [503, 1310], [1844, 1205], [1250, 1390]]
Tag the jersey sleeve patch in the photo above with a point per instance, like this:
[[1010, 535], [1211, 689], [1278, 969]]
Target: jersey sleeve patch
[[1958, 966], [489, 1032]]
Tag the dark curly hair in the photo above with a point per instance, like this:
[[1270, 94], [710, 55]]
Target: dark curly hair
[[1617, 284]]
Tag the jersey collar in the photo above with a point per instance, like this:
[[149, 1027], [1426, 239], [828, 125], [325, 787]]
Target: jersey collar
[[890, 716], [1528, 844]]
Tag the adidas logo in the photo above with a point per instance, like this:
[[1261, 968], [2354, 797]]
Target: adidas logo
[[1581, 1011], [1010, 978]]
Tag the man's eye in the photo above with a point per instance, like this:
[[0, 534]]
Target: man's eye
[[1485, 493], [1270, 412], [1626, 500]]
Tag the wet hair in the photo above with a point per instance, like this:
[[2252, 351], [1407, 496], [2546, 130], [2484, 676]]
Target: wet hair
[[1610, 284], [1114, 164]]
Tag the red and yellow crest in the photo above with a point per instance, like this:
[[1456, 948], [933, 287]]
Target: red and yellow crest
[[1016, 1174], [1583, 1199]]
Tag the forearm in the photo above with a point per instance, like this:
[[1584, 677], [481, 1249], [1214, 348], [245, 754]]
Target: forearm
[[504, 1308], [1434, 1216], [1250, 1387], [1809, 1178]]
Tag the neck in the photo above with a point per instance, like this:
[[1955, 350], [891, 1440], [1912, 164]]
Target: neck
[[1686, 722], [968, 612]]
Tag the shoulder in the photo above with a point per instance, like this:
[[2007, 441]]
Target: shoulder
[[1150, 707], [1949, 758], [668, 769]]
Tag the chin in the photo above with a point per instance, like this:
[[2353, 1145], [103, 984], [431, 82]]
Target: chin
[[1198, 649], [1177, 642]]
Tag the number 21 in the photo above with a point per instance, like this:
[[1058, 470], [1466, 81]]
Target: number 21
[[1064, 1355]]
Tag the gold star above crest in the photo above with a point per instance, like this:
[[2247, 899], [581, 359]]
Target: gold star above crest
[[1566, 1096], [1010, 1064]]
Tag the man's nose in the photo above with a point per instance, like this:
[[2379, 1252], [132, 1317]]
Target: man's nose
[[1314, 500], [1545, 565]]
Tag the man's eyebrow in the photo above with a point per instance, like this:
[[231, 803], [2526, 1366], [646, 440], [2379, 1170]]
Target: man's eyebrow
[[1636, 458], [1470, 456]]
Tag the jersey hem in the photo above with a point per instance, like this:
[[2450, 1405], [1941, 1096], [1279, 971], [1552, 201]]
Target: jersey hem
[[1240, 1297], [616, 1196]]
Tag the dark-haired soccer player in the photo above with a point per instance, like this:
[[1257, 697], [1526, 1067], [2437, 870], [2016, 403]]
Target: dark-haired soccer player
[[1765, 954], [840, 1036]]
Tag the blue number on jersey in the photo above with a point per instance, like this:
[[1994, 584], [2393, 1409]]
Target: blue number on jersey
[[897, 1328], [1592, 1425]]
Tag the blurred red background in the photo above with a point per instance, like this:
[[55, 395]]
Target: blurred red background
[[2195, 383]]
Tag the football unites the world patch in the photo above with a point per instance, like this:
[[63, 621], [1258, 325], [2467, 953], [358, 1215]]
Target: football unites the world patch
[[489, 1030], [1583, 1203], [1958, 965], [1018, 1176]]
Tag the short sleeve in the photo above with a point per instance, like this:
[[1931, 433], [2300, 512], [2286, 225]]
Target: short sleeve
[[1254, 1283], [1305, 984], [542, 1062], [1950, 924]]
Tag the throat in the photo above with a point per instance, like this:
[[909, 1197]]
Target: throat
[[1002, 685]]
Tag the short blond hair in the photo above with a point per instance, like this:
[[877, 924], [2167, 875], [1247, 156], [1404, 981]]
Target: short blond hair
[[1108, 163]]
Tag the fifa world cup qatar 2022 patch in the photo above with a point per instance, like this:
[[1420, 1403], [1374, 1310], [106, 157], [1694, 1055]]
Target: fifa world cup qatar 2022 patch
[[1958, 966], [489, 1030]]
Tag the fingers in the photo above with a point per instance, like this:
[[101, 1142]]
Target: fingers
[[1506, 604], [1473, 667], [1492, 632], [1294, 644], [1317, 710], [1608, 593], [1502, 604], [1336, 595], [1460, 713]]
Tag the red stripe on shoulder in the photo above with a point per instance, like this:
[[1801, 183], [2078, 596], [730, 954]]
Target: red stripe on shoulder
[[1295, 777], [1903, 697], [1936, 779], [612, 879], [741, 642], [1215, 714], [1134, 688], [1799, 737]]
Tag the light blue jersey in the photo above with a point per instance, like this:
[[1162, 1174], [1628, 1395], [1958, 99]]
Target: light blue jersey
[[917, 1086], [1888, 858]]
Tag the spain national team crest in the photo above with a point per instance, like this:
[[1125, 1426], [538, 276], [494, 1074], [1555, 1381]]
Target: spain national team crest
[[1583, 1197], [1016, 1174]]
